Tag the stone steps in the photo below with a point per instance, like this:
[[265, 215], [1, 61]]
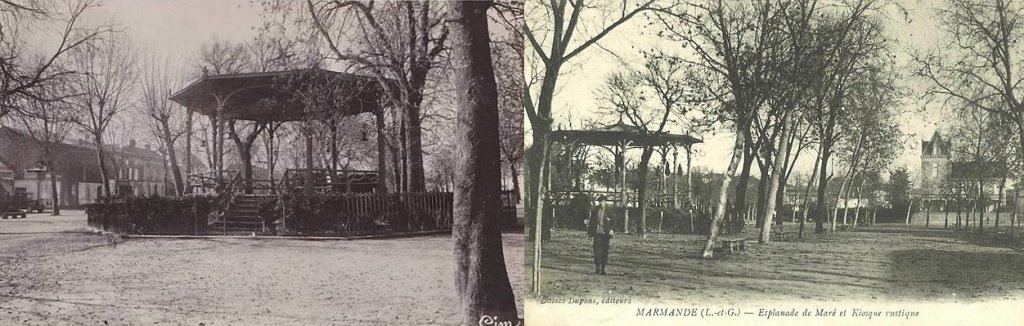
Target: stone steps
[[241, 217]]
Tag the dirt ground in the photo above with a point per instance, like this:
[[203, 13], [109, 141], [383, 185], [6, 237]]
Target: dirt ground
[[54, 273], [892, 262]]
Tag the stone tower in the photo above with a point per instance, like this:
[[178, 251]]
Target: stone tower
[[934, 163]]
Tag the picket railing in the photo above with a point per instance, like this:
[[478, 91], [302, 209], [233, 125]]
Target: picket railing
[[367, 213]]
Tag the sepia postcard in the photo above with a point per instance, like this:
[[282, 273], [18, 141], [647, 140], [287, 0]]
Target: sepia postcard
[[261, 162], [819, 162]]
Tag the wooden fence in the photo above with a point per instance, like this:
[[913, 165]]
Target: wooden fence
[[360, 214]]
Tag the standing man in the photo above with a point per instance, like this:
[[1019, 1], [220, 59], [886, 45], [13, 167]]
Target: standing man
[[601, 228]]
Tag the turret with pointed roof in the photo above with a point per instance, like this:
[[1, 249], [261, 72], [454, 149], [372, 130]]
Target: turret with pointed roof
[[935, 154]]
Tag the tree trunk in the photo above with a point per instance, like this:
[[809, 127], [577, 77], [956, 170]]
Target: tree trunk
[[723, 194], [396, 165], [839, 196], [540, 124], [821, 210], [244, 147], [179, 185], [928, 213], [188, 150], [53, 186], [979, 207], [481, 278], [846, 209], [762, 190], [414, 150], [645, 159], [739, 205], [807, 195], [689, 187], [515, 180], [945, 210], [774, 184], [910, 207], [958, 214], [382, 166], [856, 214], [999, 205], [537, 232], [620, 161], [307, 175], [102, 160], [535, 158]]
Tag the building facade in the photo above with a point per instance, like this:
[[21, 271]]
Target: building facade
[[134, 170]]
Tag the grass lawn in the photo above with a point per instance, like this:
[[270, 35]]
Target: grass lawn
[[51, 272], [872, 264]]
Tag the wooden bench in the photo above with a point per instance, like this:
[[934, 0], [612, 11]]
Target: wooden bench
[[778, 232], [14, 214], [733, 243]]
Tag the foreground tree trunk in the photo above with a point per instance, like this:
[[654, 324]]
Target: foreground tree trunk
[[723, 194], [481, 279]]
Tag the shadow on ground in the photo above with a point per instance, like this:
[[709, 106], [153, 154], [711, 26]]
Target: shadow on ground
[[966, 274], [866, 265]]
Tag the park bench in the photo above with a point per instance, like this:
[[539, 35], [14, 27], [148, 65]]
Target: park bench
[[14, 214], [733, 243], [778, 232]]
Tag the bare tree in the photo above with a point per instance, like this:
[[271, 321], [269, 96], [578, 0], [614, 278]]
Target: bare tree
[[166, 120], [107, 74], [978, 66], [24, 76], [555, 36], [508, 62], [48, 122], [854, 46], [399, 43], [244, 145], [218, 57], [733, 43], [664, 79]]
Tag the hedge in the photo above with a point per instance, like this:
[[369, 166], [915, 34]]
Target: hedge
[[152, 215]]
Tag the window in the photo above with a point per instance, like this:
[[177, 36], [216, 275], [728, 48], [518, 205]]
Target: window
[[935, 170]]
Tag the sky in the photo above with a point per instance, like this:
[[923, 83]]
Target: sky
[[177, 28], [575, 100]]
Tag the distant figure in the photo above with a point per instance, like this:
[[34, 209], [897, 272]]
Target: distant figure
[[601, 228], [113, 239]]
